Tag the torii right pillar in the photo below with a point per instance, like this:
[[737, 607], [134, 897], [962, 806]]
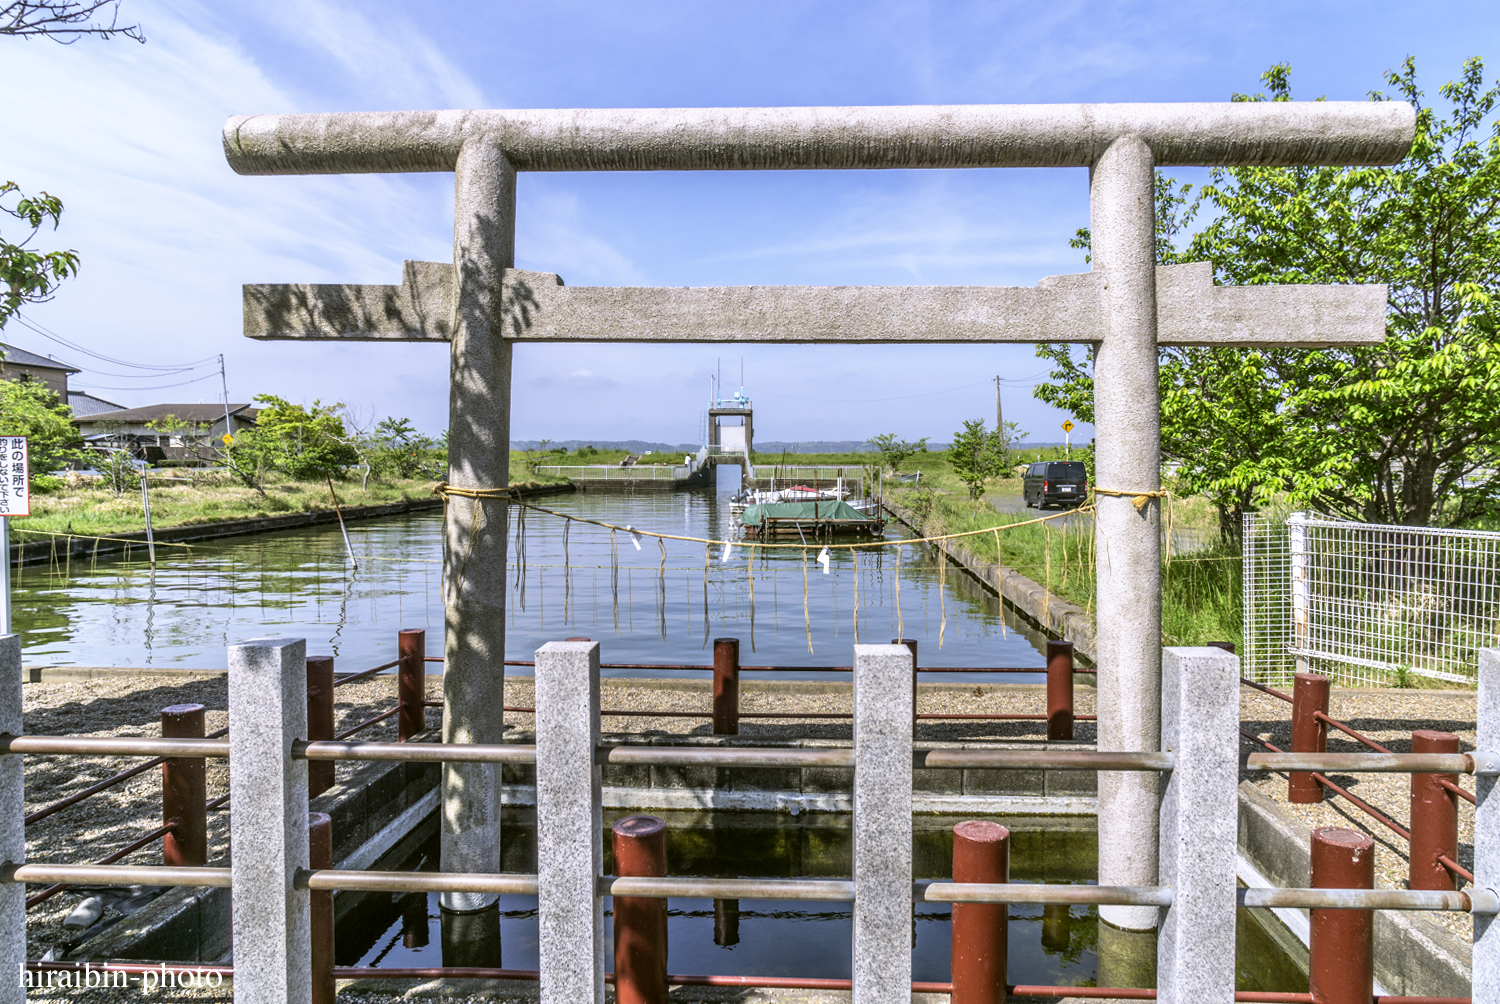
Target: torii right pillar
[[1122, 219]]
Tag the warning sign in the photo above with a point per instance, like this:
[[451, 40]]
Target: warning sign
[[1068, 425], [15, 480]]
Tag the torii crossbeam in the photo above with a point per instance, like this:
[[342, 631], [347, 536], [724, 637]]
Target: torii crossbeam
[[1126, 305]]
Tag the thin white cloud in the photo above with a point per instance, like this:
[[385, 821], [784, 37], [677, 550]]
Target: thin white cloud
[[391, 63]]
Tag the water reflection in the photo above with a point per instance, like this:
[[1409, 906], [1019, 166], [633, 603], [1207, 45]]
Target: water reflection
[[647, 601]]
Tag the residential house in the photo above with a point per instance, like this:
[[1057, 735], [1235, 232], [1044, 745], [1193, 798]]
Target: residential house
[[18, 364], [131, 428]]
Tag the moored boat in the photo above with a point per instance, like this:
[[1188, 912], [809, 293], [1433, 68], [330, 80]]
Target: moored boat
[[810, 520]]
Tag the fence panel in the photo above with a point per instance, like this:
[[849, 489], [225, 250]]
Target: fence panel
[[1366, 603]]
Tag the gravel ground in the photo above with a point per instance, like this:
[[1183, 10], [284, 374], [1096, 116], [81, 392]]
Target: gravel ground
[[801, 697], [103, 823], [1388, 717]]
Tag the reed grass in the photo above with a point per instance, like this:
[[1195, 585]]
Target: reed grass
[[1200, 591]]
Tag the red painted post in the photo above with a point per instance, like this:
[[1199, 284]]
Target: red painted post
[[414, 919], [981, 853], [1060, 690], [726, 686], [1341, 968], [1309, 735], [911, 643], [640, 851], [411, 682], [320, 855], [319, 720], [1434, 816], [184, 791]]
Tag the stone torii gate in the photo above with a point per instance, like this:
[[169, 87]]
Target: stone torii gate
[[1126, 306]]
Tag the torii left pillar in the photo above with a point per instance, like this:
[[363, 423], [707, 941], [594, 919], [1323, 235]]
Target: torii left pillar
[[474, 553]]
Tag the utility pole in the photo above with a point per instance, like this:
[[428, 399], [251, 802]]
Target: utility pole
[[224, 382], [1000, 427]]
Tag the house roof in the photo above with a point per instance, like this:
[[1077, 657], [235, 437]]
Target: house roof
[[21, 357], [207, 413], [85, 405]]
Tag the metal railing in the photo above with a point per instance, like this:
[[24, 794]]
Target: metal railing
[[273, 874], [1435, 795], [1199, 765]]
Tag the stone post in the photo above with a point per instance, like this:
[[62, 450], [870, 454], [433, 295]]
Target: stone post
[[12, 826], [270, 918], [474, 533], [1200, 713], [882, 824], [1486, 959], [569, 820], [1122, 217]]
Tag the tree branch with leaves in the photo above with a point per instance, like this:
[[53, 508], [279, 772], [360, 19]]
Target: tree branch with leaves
[[29, 275]]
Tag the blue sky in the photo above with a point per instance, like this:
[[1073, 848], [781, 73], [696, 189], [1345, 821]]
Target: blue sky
[[128, 136]]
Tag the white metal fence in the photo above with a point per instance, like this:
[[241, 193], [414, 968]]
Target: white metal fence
[[614, 472], [1364, 603]]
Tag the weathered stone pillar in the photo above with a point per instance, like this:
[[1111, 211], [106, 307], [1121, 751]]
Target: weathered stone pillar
[[475, 530], [12, 828], [1122, 218]]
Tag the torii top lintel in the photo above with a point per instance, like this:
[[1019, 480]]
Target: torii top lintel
[[904, 136]]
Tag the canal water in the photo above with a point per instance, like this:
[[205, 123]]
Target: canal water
[[1047, 945], [645, 601]]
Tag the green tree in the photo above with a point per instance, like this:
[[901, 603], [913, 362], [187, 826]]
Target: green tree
[[31, 276], [895, 451], [246, 460], [977, 455], [301, 441], [30, 408], [400, 450], [1402, 432]]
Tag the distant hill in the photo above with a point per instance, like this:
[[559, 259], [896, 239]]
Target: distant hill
[[633, 445], [761, 446], [814, 446]]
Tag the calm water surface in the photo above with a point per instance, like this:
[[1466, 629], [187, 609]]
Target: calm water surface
[[1046, 945], [646, 603]]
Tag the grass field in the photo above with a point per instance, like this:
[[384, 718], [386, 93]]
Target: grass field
[[1200, 591], [85, 508]]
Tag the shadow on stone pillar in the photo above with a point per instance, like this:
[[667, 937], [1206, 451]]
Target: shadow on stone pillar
[[472, 938], [1126, 958]]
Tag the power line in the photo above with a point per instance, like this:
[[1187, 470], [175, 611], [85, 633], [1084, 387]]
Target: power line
[[207, 376], [59, 339]]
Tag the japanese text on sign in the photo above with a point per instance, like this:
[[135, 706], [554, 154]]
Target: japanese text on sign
[[15, 479]]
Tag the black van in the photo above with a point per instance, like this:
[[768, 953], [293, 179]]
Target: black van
[[1063, 482]]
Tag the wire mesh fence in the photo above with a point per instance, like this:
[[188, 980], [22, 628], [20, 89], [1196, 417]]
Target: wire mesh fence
[[1367, 604]]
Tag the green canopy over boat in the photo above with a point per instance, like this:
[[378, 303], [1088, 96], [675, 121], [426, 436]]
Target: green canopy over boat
[[820, 511]]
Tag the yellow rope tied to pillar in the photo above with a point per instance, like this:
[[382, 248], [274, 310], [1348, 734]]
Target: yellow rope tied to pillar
[[1137, 498], [513, 497]]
